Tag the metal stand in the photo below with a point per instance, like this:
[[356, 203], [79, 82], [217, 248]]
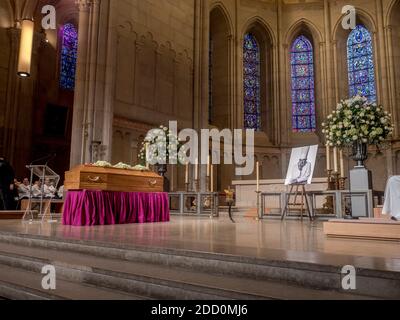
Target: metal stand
[[43, 172], [300, 192]]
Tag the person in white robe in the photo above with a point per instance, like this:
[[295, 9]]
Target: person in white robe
[[60, 192], [392, 198], [49, 190], [24, 189], [37, 189], [301, 172]]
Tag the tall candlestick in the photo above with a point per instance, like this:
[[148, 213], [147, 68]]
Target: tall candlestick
[[258, 176], [335, 160], [328, 157], [187, 173], [342, 173], [212, 179], [208, 166], [196, 170]]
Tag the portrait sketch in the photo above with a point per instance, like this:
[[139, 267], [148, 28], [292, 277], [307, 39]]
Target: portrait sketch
[[302, 165]]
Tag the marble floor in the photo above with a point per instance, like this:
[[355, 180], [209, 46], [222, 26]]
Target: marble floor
[[270, 239]]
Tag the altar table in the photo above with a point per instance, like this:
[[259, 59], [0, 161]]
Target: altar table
[[91, 208]]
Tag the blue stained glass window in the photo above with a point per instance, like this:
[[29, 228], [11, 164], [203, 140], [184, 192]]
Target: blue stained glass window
[[251, 83], [69, 53], [360, 58], [303, 87]]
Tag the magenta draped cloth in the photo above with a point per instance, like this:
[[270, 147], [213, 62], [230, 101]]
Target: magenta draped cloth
[[93, 208]]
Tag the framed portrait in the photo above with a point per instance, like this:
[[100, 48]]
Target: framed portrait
[[302, 165]]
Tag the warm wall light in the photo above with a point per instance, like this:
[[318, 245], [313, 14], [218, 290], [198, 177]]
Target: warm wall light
[[25, 48]]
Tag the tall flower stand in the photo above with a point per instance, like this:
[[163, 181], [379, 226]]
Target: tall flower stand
[[360, 180]]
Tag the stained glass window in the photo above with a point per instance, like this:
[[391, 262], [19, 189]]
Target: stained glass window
[[303, 90], [69, 51], [360, 58], [252, 74]]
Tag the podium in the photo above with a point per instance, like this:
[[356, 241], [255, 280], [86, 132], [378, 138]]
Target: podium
[[42, 173]]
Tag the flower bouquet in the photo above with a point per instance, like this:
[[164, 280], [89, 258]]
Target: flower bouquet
[[356, 120]]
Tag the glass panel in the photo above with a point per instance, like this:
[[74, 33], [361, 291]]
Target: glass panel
[[361, 67], [251, 83], [69, 52], [303, 89]]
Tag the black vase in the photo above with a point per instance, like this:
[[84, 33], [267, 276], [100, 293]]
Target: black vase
[[360, 153], [162, 170]]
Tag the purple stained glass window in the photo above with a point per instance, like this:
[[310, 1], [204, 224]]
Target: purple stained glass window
[[360, 58], [251, 83], [303, 88], [69, 52]]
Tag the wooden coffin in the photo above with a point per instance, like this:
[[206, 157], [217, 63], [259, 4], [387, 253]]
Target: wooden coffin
[[86, 177]]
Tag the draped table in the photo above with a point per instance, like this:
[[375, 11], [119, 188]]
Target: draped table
[[91, 208]]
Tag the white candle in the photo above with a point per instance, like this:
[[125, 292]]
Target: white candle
[[196, 170], [342, 173], [328, 157], [208, 166], [187, 174], [335, 160], [258, 176], [212, 179]]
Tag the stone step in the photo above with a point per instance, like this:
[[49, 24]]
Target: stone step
[[154, 280], [19, 284]]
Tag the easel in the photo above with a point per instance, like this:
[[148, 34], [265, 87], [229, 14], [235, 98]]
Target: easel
[[299, 193]]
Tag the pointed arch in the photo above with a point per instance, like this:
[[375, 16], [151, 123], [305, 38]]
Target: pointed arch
[[304, 26], [339, 39], [219, 75], [219, 7]]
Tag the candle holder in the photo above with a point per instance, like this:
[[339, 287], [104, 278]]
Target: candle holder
[[328, 206], [187, 186], [342, 183], [197, 185]]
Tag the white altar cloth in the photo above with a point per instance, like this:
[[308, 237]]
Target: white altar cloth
[[392, 198]]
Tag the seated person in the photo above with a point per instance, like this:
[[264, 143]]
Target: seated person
[[392, 198], [24, 189], [60, 192], [37, 189], [49, 191]]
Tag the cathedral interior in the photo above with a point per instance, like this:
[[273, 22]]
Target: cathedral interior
[[112, 70]]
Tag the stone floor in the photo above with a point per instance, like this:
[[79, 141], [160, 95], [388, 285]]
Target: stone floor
[[289, 240]]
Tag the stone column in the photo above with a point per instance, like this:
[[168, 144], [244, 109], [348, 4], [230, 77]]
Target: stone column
[[201, 73], [328, 60], [93, 115], [79, 125], [12, 96], [392, 79], [381, 58]]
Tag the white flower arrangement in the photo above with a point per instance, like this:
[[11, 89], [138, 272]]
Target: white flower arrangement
[[164, 144], [121, 165], [357, 120]]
